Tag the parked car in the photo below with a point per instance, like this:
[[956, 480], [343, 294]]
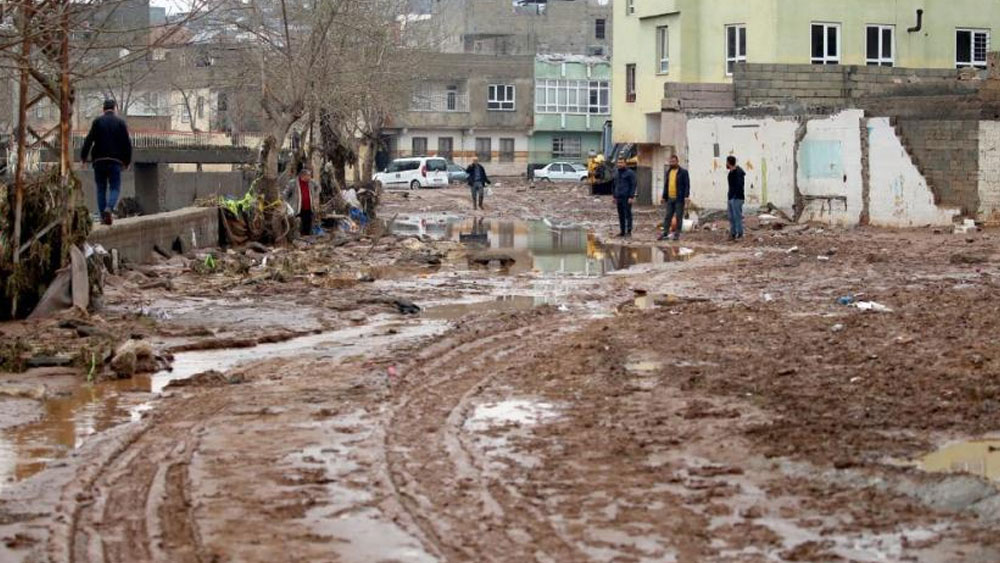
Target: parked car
[[562, 172], [456, 174], [415, 173]]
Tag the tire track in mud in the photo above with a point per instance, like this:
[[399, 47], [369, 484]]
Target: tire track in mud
[[138, 506], [435, 475]]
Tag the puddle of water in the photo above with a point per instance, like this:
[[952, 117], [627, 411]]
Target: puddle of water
[[85, 410], [539, 246], [454, 311], [976, 457], [644, 366], [511, 411]]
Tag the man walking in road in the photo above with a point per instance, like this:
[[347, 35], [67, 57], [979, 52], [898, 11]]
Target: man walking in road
[[737, 181], [676, 191], [302, 194], [108, 145], [477, 180], [624, 194]]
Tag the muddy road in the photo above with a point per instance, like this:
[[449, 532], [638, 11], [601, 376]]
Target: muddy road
[[810, 394]]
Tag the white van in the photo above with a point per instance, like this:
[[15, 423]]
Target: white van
[[414, 173]]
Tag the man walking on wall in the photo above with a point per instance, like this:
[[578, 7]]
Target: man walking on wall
[[735, 197], [624, 194], [676, 191], [110, 147]]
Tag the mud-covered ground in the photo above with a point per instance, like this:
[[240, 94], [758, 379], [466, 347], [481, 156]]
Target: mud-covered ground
[[559, 397]]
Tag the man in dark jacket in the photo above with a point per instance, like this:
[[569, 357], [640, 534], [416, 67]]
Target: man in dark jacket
[[108, 145], [477, 180], [737, 182], [676, 191], [624, 194]]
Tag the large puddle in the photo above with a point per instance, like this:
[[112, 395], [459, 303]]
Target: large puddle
[[975, 457], [69, 418], [538, 246]]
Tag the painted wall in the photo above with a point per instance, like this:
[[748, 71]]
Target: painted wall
[[778, 31], [989, 171], [829, 168], [464, 143], [540, 148], [765, 148], [899, 195]]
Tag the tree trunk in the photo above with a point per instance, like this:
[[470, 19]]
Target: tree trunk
[[274, 209]]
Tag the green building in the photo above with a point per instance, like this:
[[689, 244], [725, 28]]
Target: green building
[[572, 103]]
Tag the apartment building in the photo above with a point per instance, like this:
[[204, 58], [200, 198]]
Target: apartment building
[[478, 92]]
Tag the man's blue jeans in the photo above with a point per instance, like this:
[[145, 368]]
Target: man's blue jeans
[[107, 176], [736, 218]]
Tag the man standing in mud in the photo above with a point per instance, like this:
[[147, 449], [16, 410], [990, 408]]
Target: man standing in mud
[[109, 146], [624, 194], [478, 180], [302, 194], [735, 197], [676, 191]]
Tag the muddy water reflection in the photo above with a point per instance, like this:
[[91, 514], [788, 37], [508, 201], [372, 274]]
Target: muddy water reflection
[[68, 419], [539, 246], [976, 457]]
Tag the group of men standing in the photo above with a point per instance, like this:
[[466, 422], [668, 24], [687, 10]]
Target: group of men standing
[[676, 195]]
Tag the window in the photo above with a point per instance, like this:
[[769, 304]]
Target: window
[[501, 97], [484, 149], [506, 150], [451, 102], [437, 165], [879, 45], [419, 145], [566, 147], [600, 28], [662, 50], [971, 48], [630, 7], [736, 46], [222, 102], [446, 147], [630, 83], [825, 43], [572, 96], [201, 107]]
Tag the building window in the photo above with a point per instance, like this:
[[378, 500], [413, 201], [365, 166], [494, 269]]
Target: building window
[[736, 46], [880, 45], [451, 102], [446, 148], [662, 50], [630, 7], [484, 149], [419, 145], [201, 107], [222, 102], [600, 28], [572, 96], [825, 43], [567, 147], [501, 97], [971, 48], [506, 150], [630, 83]]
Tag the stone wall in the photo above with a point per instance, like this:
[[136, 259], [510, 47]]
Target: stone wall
[[136, 237], [989, 172], [697, 97]]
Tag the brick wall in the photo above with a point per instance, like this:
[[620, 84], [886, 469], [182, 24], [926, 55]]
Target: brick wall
[[947, 153], [836, 86], [698, 97]]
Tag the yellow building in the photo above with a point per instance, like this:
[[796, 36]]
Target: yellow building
[[699, 41]]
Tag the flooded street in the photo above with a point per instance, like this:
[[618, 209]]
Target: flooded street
[[517, 385]]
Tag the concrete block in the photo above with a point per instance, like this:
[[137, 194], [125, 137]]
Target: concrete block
[[135, 237]]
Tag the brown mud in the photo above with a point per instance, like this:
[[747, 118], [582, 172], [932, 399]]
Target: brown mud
[[590, 400]]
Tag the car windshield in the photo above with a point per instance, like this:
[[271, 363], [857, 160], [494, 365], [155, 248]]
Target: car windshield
[[455, 168]]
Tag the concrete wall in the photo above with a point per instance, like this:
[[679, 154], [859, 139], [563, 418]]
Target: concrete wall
[[181, 189], [989, 171], [822, 156], [464, 143], [900, 196], [136, 237], [829, 169], [765, 148]]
